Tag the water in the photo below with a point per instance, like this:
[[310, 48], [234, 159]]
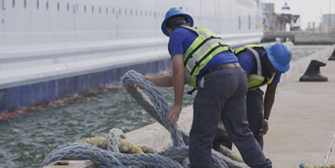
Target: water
[[300, 51], [26, 139]]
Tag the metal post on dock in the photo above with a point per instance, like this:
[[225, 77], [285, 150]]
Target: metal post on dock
[[332, 57], [313, 72]]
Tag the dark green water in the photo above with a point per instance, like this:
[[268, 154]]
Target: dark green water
[[26, 139]]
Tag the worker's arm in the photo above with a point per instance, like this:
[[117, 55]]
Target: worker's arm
[[269, 99], [178, 84], [163, 81]]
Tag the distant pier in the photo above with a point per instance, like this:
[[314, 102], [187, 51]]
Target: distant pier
[[300, 37]]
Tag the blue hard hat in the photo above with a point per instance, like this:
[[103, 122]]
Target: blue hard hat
[[174, 12], [280, 56]]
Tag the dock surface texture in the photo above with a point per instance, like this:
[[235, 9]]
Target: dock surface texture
[[301, 125]]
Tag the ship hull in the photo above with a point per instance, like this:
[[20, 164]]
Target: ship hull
[[51, 50]]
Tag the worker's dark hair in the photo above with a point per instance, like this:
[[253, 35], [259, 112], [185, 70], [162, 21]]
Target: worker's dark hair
[[176, 21]]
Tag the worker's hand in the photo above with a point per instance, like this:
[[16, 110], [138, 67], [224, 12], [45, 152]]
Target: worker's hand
[[174, 114], [264, 129], [144, 79], [147, 78]]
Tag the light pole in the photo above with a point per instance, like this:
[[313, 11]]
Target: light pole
[[329, 16]]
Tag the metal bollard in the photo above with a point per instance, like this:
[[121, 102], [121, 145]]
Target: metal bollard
[[332, 57], [313, 72]]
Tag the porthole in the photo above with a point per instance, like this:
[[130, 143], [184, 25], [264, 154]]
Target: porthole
[[68, 7], [125, 11], [37, 4], [119, 11], [106, 10], [58, 6], [92, 9], [113, 10], [100, 9], [47, 5], [13, 3], [84, 8], [25, 4]]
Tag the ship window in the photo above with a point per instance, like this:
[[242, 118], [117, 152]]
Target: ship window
[[141, 13], [131, 12], [120, 11], [113, 10], [136, 12], [92, 9], [154, 14], [84, 8], [99, 9], [125, 11], [38, 4], [13, 4], [67, 7], [47, 5], [150, 13], [106, 10], [75, 8], [239, 22], [25, 4], [249, 22], [58, 7], [145, 13]]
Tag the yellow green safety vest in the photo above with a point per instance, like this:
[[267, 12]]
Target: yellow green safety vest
[[255, 80], [200, 52]]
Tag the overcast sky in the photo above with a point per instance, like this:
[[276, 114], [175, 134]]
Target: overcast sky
[[309, 10]]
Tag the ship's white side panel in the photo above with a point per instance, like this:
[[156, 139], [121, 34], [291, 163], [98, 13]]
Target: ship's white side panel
[[60, 21], [44, 40], [43, 32]]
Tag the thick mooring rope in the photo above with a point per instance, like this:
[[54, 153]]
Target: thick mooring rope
[[157, 106]]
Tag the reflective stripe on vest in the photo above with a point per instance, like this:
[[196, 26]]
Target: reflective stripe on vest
[[200, 52], [255, 80]]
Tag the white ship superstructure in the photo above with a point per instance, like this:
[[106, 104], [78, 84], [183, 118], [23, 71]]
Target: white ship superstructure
[[52, 49]]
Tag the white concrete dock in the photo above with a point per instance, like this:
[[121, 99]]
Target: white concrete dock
[[302, 122], [301, 125]]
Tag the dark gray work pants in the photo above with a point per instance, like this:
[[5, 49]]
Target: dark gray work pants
[[254, 115], [223, 97]]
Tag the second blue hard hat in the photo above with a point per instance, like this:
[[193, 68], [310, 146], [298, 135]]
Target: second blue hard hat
[[174, 12], [280, 56]]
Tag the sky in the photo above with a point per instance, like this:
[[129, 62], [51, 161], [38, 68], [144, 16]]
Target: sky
[[309, 10]]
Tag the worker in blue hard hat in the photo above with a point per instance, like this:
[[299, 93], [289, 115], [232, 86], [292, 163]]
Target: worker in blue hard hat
[[263, 66], [202, 60]]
